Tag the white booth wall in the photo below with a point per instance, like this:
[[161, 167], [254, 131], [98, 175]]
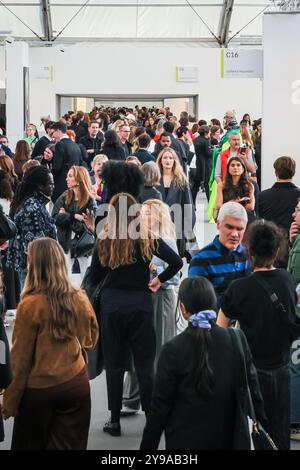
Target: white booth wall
[[2, 68], [139, 69], [281, 92]]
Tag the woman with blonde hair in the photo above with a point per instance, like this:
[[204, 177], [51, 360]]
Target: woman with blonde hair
[[121, 263], [176, 192], [117, 124], [50, 394], [98, 187], [158, 217], [32, 136], [74, 213]]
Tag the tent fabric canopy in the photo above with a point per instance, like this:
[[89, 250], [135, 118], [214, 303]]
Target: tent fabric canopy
[[189, 20]]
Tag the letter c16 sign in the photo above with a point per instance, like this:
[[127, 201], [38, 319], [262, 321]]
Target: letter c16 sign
[[241, 63]]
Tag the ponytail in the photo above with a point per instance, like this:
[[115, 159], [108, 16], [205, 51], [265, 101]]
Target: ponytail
[[197, 294]]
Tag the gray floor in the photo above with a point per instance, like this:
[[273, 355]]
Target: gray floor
[[132, 427]]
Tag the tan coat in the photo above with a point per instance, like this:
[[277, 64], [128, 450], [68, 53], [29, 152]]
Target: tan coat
[[39, 360]]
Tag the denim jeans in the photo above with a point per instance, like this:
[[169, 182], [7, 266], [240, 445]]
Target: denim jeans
[[295, 382], [22, 277], [275, 389]]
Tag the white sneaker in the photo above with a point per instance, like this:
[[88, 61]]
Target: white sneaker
[[295, 434], [126, 411]]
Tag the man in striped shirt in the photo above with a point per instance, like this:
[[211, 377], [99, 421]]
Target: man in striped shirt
[[225, 258]]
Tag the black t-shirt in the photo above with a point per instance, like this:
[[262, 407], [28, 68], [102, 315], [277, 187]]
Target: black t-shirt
[[268, 332], [135, 276]]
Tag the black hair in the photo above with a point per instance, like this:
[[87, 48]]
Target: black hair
[[144, 140], [203, 130], [122, 178], [165, 134], [169, 126], [111, 138], [197, 294], [243, 187], [48, 125], [181, 131], [263, 240], [202, 122], [59, 126], [32, 180], [150, 132]]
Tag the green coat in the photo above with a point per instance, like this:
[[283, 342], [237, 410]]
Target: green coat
[[294, 264]]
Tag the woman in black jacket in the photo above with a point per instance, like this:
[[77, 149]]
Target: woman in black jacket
[[74, 213], [199, 371], [121, 263], [112, 147]]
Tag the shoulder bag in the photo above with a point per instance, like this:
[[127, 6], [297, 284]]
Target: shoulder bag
[[245, 410]]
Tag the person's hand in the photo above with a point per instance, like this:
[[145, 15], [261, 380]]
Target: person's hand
[[62, 210], [4, 245], [88, 219], [294, 231], [152, 267], [79, 217], [154, 285], [244, 199]]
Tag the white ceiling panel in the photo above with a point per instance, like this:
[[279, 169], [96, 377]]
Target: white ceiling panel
[[141, 19]]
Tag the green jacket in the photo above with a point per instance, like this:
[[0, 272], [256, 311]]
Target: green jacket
[[294, 264]]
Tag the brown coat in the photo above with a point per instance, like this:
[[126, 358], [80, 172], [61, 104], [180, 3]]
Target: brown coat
[[40, 361]]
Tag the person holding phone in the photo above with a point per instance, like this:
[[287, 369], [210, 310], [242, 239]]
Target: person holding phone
[[236, 187]]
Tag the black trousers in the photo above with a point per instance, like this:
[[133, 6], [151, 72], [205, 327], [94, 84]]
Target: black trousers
[[127, 331], [275, 389]]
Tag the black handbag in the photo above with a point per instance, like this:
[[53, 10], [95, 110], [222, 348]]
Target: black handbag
[[260, 438], [95, 362], [82, 244]]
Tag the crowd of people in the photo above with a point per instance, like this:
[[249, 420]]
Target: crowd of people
[[96, 217]]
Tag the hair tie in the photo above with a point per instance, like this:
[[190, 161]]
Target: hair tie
[[201, 319]]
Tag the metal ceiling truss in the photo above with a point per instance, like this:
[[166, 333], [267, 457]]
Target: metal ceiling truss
[[47, 21], [221, 38], [224, 22]]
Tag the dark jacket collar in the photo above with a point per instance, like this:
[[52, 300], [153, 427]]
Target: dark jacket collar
[[284, 185]]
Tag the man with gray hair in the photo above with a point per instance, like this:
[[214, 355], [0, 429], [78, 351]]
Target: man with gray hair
[[225, 258]]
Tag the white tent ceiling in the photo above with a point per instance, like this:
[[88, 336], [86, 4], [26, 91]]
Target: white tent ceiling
[[135, 20]]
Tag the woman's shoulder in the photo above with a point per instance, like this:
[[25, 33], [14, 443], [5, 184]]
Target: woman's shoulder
[[31, 301]]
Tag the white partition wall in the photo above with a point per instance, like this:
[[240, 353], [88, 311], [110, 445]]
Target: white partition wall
[[114, 69], [281, 92], [16, 60]]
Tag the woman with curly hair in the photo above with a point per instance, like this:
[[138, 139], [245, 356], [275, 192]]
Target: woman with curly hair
[[236, 187]]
